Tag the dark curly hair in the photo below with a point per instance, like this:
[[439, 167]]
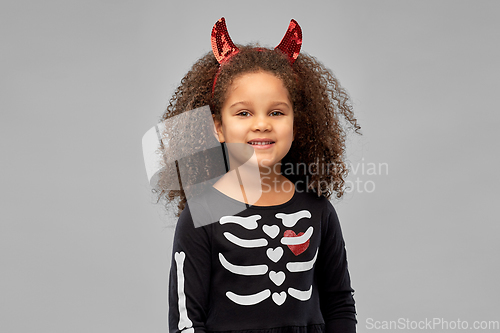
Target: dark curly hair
[[322, 114]]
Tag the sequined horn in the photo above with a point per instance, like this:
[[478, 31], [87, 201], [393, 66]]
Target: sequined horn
[[222, 45], [291, 42]]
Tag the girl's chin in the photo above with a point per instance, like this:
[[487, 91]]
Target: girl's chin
[[269, 164]]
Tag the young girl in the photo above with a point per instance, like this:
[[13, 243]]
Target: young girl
[[278, 265]]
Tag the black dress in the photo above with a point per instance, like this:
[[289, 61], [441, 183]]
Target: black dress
[[270, 269]]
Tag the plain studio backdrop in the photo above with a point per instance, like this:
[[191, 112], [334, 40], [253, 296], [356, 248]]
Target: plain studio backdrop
[[84, 247]]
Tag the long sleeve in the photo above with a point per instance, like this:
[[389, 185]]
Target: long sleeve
[[336, 294], [189, 277]]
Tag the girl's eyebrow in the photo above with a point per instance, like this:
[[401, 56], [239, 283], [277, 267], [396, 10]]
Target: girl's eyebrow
[[280, 103], [273, 104], [240, 102]]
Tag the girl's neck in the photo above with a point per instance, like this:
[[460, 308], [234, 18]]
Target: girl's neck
[[258, 189]]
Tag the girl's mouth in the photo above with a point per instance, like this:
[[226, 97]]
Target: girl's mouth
[[261, 144]]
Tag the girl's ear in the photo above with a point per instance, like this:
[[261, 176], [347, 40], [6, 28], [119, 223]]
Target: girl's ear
[[218, 130]]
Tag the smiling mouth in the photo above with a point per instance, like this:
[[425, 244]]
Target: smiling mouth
[[260, 143]]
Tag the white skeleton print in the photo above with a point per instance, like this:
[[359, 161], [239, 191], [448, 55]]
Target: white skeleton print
[[273, 263], [297, 244]]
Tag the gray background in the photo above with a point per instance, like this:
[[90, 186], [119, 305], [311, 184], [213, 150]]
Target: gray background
[[83, 247]]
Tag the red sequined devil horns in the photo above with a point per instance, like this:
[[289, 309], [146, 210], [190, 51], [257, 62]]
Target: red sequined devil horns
[[224, 48]]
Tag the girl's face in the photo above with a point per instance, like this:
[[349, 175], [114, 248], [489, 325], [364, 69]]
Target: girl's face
[[258, 112]]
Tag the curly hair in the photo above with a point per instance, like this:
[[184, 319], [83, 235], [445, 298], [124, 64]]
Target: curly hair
[[322, 114]]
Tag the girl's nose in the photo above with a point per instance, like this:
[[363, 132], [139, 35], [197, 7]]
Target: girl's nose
[[261, 123]]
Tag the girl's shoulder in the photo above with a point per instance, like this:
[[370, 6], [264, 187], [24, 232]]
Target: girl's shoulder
[[311, 197]]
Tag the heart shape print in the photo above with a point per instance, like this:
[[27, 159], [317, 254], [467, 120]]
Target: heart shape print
[[279, 298], [271, 230], [274, 254], [277, 278], [296, 249]]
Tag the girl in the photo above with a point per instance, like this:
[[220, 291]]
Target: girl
[[279, 264]]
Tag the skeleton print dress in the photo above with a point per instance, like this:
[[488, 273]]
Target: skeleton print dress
[[266, 269]]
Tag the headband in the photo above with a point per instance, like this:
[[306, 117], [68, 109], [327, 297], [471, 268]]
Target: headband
[[224, 48]]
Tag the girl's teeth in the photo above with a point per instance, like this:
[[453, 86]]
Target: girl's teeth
[[261, 143]]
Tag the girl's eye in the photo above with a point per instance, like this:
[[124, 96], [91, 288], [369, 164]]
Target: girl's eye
[[276, 113], [243, 113]]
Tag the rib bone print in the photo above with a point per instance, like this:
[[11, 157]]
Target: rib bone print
[[296, 243]]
